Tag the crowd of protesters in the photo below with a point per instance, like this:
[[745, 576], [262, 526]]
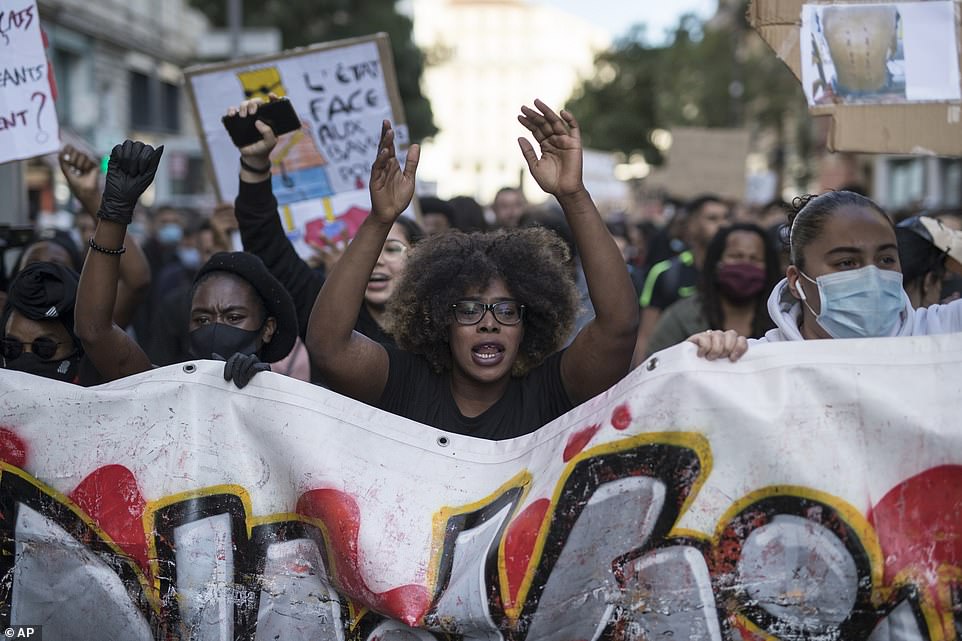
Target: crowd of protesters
[[487, 323]]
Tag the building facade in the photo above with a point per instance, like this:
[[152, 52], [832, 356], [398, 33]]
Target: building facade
[[486, 58], [118, 67]]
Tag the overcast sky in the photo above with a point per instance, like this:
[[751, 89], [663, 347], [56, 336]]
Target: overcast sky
[[617, 16]]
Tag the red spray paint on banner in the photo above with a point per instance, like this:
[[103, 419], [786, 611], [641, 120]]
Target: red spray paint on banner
[[342, 520]]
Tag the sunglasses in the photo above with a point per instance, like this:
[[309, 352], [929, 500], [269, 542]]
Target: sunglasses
[[43, 348], [470, 312]]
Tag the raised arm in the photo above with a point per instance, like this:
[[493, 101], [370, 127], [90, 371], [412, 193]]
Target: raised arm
[[260, 224], [601, 353], [82, 176], [130, 171], [351, 363]]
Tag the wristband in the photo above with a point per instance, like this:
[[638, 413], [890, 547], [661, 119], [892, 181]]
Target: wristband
[[103, 250], [256, 170], [115, 214]]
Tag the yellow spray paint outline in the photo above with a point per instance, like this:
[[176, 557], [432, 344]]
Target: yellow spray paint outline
[[153, 598], [940, 628], [441, 518], [867, 537]]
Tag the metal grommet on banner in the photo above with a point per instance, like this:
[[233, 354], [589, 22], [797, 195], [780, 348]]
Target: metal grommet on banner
[[444, 441], [652, 364], [190, 368]]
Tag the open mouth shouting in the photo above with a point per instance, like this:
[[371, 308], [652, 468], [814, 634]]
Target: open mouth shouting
[[488, 353], [378, 281]]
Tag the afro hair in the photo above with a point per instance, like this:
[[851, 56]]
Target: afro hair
[[533, 264]]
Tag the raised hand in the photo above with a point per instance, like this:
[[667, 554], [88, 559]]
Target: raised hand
[[80, 170], [559, 170], [223, 223], [391, 187], [130, 171], [257, 154]]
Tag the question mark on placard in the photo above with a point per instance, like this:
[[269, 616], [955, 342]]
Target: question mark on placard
[[42, 135]]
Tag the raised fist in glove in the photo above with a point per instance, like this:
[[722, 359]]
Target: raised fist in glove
[[130, 171], [241, 368]]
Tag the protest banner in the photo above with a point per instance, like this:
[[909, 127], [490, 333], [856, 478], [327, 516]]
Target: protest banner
[[342, 91], [28, 120], [811, 491], [704, 161], [886, 72]]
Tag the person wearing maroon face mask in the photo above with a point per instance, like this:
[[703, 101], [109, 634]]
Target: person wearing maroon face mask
[[740, 270]]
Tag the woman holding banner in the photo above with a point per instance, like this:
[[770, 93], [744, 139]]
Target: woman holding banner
[[479, 317], [845, 280]]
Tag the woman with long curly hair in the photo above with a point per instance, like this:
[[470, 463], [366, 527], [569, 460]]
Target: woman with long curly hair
[[479, 319]]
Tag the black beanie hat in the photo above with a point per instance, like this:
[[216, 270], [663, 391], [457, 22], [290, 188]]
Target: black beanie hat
[[276, 299], [43, 291]]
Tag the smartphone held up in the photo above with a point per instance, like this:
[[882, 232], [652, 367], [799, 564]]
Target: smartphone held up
[[278, 114]]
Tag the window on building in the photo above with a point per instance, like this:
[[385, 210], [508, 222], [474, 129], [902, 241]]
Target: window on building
[[907, 183], [170, 106], [154, 104], [141, 103], [952, 183], [65, 70], [187, 174]]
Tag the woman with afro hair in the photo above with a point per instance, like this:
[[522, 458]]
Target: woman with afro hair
[[480, 318]]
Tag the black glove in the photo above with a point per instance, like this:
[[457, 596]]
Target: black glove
[[241, 368], [130, 171]]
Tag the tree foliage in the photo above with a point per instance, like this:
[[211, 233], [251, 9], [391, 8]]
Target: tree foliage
[[305, 22], [706, 77]]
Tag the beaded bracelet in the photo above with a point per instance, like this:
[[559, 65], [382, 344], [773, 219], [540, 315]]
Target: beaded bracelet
[[103, 250], [256, 170]]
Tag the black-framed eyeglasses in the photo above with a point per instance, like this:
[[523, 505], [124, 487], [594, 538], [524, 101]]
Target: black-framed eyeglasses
[[44, 348], [470, 312]]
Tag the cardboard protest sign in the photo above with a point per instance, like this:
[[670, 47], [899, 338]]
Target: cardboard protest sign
[[812, 490], [879, 53], [342, 91], [28, 120], [886, 72], [704, 161]]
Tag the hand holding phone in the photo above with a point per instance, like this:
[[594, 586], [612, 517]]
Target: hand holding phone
[[279, 115]]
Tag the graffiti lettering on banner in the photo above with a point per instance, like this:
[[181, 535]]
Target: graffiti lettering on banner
[[657, 510], [342, 91], [28, 121]]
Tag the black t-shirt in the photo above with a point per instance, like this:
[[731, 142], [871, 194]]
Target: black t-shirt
[[87, 374], [415, 391]]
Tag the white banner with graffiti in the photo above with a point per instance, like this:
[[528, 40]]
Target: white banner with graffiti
[[811, 491]]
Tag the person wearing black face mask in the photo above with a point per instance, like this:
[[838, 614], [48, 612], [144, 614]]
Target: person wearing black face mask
[[238, 310], [238, 307], [739, 272], [37, 326]]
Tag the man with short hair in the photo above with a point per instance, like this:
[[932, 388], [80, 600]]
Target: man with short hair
[[508, 207], [437, 215], [675, 278]]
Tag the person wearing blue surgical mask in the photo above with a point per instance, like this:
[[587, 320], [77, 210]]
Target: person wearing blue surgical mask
[[844, 281]]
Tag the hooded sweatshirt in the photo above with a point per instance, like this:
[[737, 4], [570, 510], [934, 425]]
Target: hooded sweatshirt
[[786, 311]]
